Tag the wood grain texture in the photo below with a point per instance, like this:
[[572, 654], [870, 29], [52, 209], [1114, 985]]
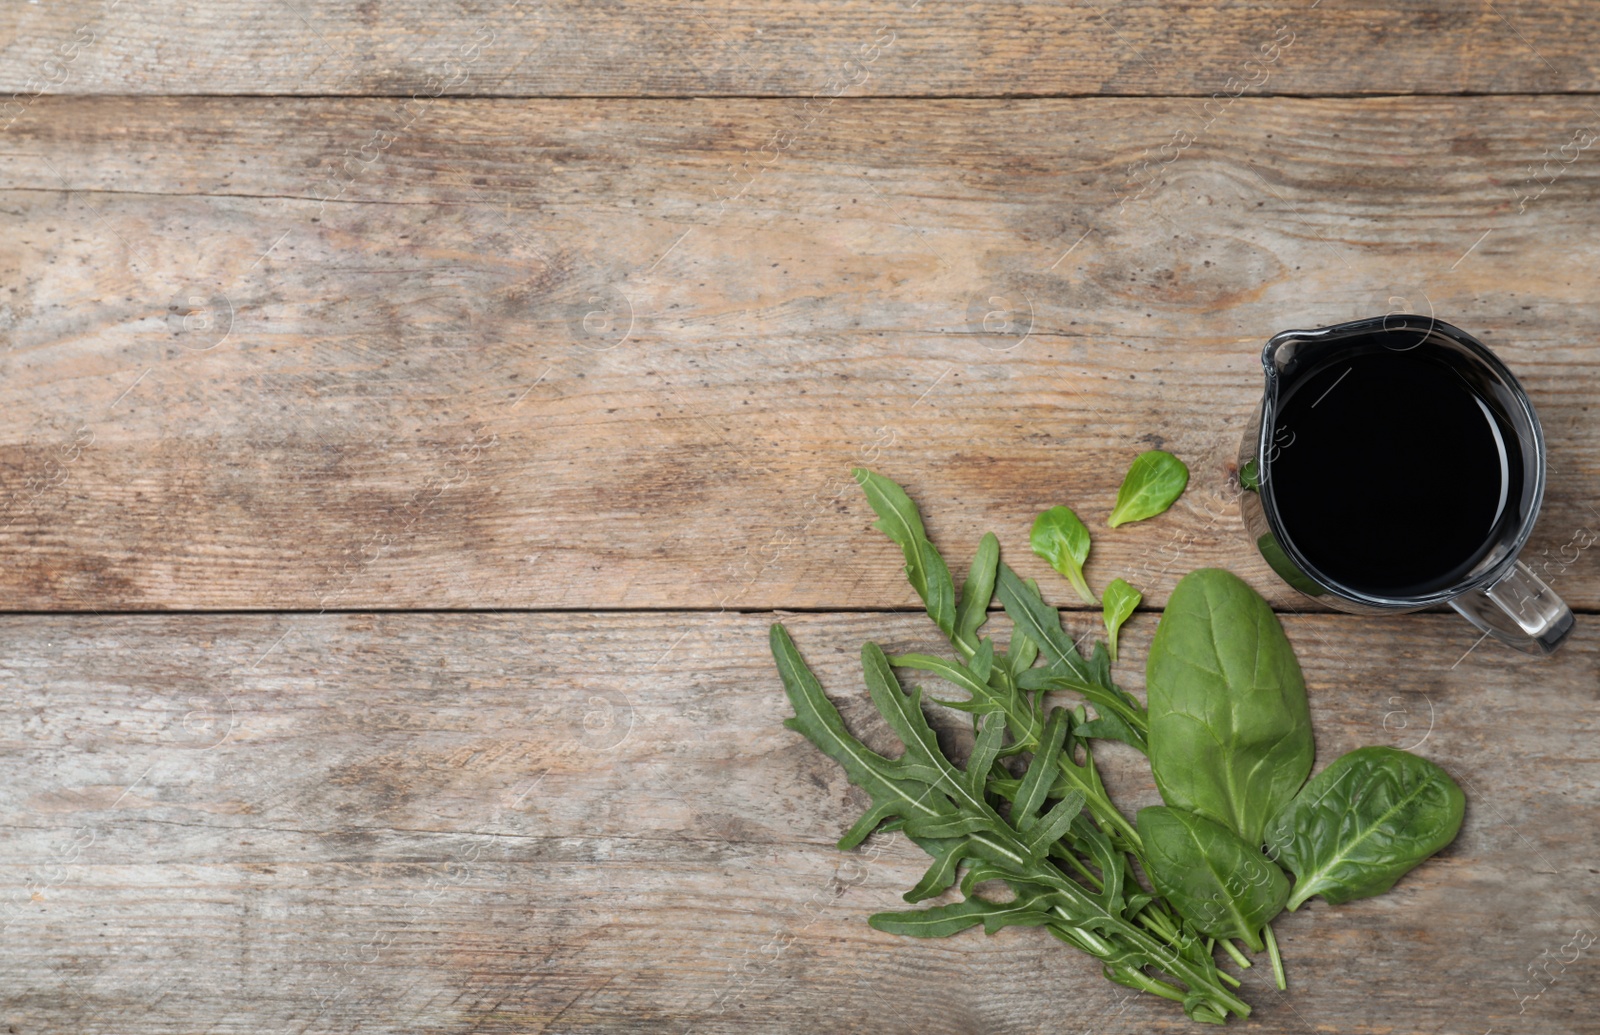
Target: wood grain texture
[[586, 823], [909, 47], [597, 354]]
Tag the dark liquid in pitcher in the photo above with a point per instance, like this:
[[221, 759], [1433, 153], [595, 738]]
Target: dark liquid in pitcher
[[1391, 475]]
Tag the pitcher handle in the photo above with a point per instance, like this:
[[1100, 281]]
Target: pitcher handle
[[1519, 610]]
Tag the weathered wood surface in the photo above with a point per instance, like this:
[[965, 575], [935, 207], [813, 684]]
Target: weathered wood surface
[[678, 47], [519, 354], [592, 823], [381, 348]]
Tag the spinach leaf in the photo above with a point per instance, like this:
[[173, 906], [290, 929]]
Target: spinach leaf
[[1153, 483], [1060, 538], [1216, 880], [925, 569], [1230, 731], [1362, 823], [1120, 600]]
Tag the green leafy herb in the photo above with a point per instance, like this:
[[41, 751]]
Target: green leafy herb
[[1230, 730], [976, 593], [1121, 716], [1119, 601], [925, 569], [1060, 538], [1153, 483], [937, 806], [1218, 881], [1227, 733], [1364, 822]]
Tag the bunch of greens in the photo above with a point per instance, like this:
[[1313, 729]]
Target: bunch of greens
[[1230, 750], [1227, 734]]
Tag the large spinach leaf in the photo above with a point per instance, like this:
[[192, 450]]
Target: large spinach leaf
[[1363, 822], [1230, 731], [1222, 884]]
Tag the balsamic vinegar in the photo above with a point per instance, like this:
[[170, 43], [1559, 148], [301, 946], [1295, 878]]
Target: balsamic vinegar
[[1391, 474]]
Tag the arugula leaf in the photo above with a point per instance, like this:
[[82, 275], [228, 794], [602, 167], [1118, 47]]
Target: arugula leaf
[[898, 788], [1363, 823], [1065, 668], [1060, 538], [1041, 623], [939, 810], [1153, 483], [985, 749], [1120, 600], [942, 921], [976, 593], [983, 699], [1220, 883], [925, 569]]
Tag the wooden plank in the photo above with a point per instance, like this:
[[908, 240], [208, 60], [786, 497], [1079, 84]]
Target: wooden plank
[[566, 47], [597, 823], [430, 392]]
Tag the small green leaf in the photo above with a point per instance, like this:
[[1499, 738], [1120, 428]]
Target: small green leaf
[[941, 873], [947, 826], [1250, 475], [1154, 481], [982, 662], [1025, 724], [925, 569], [1041, 623], [942, 921], [1111, 726], [984, 751], [1049, 827], [1120, 600], [1041, 772], [1024, 652], [1060, 538], [977, 592]]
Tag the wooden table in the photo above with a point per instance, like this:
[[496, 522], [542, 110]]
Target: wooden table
[[416, 413]]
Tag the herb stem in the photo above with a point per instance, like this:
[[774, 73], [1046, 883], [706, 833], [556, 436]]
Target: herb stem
[[1277, 960], [1238, 957], [1077, 864]]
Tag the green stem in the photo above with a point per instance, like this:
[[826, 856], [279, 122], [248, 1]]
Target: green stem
[[1198, 978], [1238, 957], [1077, 864], [1025, 737], [1277, 960], [1081, 585], [1158, 921]]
